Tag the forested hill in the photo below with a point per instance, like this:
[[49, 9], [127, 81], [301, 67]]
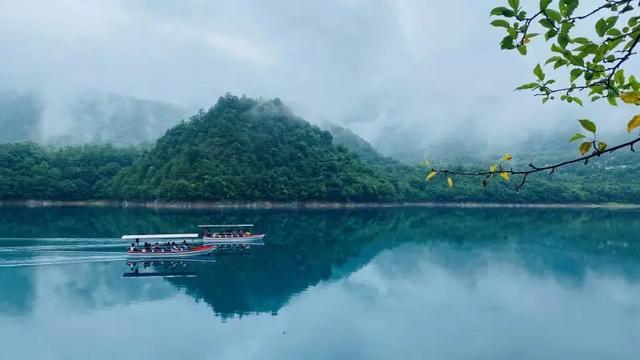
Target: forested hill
[[365, 151], [246, 149]]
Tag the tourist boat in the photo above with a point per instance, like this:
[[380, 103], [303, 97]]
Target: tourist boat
[[185, 246], [230, 234]]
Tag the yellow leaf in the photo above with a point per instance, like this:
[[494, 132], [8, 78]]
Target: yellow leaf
[[427, 163], [632, 97], [504, 175], [449, 181], [585, 147], [602, 146], [431, 174], [493, 168], [507, 157], [633, 123]]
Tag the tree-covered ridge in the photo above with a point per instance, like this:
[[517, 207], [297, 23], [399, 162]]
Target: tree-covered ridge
[[31, 171], [246, 149], [365, 151]]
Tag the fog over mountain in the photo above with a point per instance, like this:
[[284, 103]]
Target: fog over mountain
[[84, 118], [411, 77]]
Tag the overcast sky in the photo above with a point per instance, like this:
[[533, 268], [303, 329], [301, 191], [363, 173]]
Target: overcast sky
[[427, 68]]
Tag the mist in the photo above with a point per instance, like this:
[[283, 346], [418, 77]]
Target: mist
[[403, 74]]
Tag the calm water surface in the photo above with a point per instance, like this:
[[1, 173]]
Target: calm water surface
[[367, 284]]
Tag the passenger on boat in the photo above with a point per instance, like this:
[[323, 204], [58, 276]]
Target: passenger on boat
[[174, 246], [132, 247]]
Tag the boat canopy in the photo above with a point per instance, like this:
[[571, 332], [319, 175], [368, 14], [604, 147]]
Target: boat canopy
[[160, 236], [226, 225]]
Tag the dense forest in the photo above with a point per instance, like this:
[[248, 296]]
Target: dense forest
[[245, 149]]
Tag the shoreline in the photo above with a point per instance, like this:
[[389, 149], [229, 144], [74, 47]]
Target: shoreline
[[301, 204]]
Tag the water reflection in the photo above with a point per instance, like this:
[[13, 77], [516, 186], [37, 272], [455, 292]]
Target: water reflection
[[367, 280], [165, 269]]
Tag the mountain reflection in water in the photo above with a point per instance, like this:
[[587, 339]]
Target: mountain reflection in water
[[496, 259]]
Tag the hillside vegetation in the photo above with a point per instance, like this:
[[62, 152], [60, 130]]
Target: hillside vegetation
[[244, 149]]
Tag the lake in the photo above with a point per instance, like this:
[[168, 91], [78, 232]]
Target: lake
[[328, 284]]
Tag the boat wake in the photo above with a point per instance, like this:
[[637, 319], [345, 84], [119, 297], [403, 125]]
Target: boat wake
[[16, 252]]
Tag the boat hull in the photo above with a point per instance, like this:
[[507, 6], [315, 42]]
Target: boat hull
[[251, 239], [197, 251]]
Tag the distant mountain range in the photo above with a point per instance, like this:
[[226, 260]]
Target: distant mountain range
[[88, 118]]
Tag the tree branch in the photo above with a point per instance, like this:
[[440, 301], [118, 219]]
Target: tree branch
[[608, 5], [535, 169]]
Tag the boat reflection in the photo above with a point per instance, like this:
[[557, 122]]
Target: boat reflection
[[307, 248], [164, 268]]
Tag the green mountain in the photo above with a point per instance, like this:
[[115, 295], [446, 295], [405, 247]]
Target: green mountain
[[92, 117], [245, 149], [359, 146]]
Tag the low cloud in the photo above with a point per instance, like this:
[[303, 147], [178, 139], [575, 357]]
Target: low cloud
[[426, 70]]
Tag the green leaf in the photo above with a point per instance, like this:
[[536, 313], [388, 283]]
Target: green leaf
[[522, 50], [507, 43], [581, 40], [499, 10], [601, 27], [567, 7], [563, 39], [588, 125], [501, 23], [553, 15], [577, 100], [537, 71], [612, 100], [546, 23], [576, 137], [514, 4], [575, 73], [552, 59], [544, 4], [549, 34], [619, 77], [527, 86]]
